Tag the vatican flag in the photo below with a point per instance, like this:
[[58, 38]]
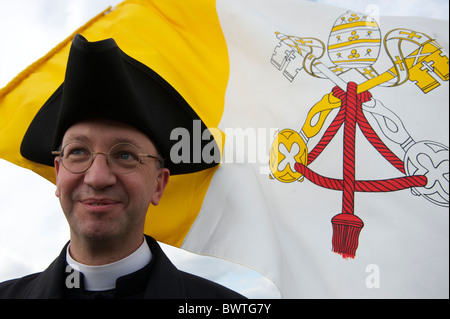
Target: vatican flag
[[333, 126]]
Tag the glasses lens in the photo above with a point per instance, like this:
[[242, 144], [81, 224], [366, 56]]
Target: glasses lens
[[124, 157], [76, 157]]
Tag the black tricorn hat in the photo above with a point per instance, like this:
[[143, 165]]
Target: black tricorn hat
[[101, 81]]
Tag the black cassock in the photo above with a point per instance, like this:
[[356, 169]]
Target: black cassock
[[158, 279]]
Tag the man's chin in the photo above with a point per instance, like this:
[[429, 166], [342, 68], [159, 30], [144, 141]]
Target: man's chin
[[98, 231]]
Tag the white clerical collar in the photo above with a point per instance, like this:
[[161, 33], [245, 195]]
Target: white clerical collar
[[101, 278]]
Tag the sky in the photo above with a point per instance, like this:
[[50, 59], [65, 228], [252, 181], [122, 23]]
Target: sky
[[33, 229]]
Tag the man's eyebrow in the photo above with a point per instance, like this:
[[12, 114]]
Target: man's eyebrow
[[117, 140], [79, 137], [126, 140]]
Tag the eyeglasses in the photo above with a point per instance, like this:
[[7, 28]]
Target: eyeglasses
[[123, 158]]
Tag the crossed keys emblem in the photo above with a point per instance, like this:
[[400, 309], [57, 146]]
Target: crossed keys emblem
[[354, 45]]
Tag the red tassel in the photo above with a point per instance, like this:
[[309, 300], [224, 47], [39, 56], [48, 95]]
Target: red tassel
[[346, 229]]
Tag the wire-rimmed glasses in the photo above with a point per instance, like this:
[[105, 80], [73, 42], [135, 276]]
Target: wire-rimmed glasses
[[123, 158]]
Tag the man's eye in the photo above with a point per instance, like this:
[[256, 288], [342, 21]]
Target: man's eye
[[78, 152], [125, 156]]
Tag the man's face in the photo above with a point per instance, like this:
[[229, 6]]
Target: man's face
[[100, 203]]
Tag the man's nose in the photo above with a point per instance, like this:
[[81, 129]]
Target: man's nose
[[100, 175]]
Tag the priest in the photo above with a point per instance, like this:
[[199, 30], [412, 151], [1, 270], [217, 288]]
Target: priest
[[106, 130]]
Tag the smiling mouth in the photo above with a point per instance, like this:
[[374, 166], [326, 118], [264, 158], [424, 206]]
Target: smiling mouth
[[99, 204]]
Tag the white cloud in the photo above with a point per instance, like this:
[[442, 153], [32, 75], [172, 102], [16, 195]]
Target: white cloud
[[32, 228]]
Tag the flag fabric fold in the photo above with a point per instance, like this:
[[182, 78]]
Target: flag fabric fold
[[334, 134]]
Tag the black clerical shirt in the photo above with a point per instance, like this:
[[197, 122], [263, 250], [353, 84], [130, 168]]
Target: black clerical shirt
[[158, 279]]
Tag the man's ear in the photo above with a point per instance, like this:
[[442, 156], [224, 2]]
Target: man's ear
[[161, 183]]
